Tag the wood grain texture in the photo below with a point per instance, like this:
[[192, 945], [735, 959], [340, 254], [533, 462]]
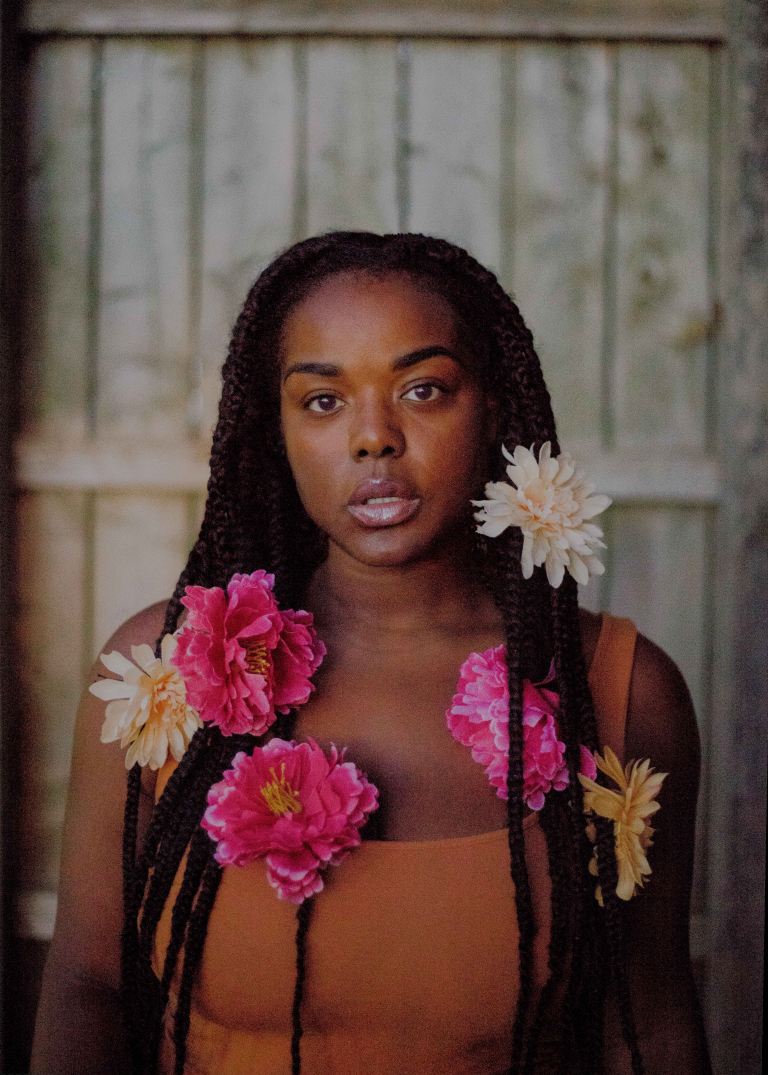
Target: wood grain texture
[[58, 151], [53, 640], [538, 18], [351, 136], [735, 1002], [140, 547], [144, 278], [210, 155], [657, 577], [455, 145], [562, 130], [250, 182], [663, 315]]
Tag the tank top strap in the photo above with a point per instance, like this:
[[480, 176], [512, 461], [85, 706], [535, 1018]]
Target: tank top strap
[[610, 675]]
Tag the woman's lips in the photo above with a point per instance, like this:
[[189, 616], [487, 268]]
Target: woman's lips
[[386, 511], [383, 502]]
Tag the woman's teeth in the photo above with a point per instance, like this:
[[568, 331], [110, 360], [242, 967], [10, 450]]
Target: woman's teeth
[[380, 511]]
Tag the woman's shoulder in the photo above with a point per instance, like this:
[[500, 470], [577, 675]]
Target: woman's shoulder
[[143, 627], [660, 719]]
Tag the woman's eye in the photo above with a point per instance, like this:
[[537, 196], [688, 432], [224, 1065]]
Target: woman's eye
[[424, 393], [324, 404]]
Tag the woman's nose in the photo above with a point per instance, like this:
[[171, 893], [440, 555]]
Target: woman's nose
[[375, 432]]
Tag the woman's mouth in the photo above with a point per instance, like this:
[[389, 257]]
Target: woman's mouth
[[382, 502]]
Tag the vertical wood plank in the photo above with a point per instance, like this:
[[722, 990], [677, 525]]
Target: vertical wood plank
[[140, 547], [560, 186], [658, 557], [455, 158], [52, 625], [662, 314], [251, 175], [144, 293], [351, 136], [58, 143]]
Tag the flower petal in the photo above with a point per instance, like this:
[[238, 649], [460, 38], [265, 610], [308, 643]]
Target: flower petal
[[106, 689]]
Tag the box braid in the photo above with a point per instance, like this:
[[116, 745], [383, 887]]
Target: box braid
[[254, 519]]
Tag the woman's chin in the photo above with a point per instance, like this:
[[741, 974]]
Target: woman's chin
[[395, 546]]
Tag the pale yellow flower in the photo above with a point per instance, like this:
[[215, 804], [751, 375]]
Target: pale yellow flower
[[629, 808], [550, 501], [147, 709]]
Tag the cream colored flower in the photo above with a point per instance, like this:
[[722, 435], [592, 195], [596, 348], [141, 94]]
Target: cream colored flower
[[148, 711], [629, 808], [550, 501]]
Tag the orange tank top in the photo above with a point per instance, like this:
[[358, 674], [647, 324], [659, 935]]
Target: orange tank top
[[411, 953]]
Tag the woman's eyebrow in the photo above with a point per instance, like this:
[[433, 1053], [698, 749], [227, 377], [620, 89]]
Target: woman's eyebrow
[[423, 353], [327, 369], [320, 369]]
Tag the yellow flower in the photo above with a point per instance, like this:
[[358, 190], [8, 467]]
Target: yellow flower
[[148, 711], [629, 808]]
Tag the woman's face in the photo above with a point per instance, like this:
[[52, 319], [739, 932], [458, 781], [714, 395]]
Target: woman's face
[[386, 425]]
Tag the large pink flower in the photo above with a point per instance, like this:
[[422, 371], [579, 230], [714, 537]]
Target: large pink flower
[[241, 658], [479, 719], [293, 805]]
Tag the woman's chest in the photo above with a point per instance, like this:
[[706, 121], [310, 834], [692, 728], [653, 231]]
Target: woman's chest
[[392, 722], [410, 929]]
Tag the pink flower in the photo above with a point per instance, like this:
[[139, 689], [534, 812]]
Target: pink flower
[[479, 719], [293, 805], [241, 658], [587, 765]]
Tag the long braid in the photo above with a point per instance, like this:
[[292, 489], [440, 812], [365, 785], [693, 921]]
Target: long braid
[[510, 610], [302, 928], [254, 518], [193, 951]]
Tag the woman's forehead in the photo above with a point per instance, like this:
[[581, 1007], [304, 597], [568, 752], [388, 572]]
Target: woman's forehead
[[361, 306]]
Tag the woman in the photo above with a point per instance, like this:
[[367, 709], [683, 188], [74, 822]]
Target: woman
[[371, 385]]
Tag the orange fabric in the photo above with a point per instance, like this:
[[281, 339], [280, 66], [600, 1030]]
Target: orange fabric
[[412, 948]]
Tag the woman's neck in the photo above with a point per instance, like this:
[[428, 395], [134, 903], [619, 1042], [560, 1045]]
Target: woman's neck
[[435, 594]]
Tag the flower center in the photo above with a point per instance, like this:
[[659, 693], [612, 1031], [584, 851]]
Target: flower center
[[278, 794], [256, 657], [168, 698]]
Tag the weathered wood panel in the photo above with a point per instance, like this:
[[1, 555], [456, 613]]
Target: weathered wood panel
[[736, 941], [562, 132], [658, 565], [53, 639], [351, 136], [244, 145], [250, 183], [456, 145], [57, 296], [140, 547], [144, 295], [663, 316], [459, 18]]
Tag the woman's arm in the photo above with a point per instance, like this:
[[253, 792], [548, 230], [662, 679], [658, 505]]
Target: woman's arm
[[79, 1028], [662, 726]]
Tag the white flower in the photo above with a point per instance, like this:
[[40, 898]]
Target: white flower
[[550, 502], [148, 711]]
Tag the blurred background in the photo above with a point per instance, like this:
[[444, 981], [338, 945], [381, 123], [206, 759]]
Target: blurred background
[[607, 160]]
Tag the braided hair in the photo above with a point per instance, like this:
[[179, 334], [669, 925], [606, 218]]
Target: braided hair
[[254, 519]]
